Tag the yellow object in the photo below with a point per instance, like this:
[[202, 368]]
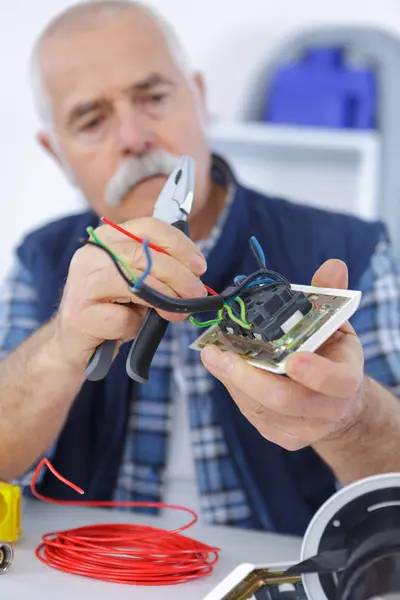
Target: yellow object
[[10, 512]]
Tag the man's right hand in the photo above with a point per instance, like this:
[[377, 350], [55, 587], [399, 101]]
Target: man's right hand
[[92, 306]]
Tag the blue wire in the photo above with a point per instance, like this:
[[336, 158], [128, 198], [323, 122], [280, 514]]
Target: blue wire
[[147, 270], [259, 282], [259, 250], [252, 284], [238, 279]]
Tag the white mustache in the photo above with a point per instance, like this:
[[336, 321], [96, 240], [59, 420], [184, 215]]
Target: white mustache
[[133, 170]]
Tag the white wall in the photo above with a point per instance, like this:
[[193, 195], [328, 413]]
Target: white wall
[[227, 40]]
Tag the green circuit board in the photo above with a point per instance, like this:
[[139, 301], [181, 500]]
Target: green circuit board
[[272, 354]]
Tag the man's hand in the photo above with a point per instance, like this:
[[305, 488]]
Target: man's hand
[[94, 303], [323, 395]]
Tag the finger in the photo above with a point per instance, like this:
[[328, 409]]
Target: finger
[[258, 412], [169, 270], [169, 238], [332, 274], [290, 432], [325, 376], [111, 322], [277, 393], [103, 284]]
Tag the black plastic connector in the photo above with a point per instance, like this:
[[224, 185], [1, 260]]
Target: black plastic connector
[[269, 308]]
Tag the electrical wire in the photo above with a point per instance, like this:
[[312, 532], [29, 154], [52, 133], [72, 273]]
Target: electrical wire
[[155, 298], [116, 264], [242, 321], [147, 270], [259, 283], [132, 235], [263, 277], [178, 305], [153, 246], [113, 254], [198, 323], [258, 252], [231, 293], [124, 553]]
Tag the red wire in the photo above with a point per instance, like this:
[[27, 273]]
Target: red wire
[[122, 553], [132, 235], [153, 246]]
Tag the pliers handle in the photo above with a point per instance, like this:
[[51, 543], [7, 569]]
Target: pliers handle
[[172, 206]]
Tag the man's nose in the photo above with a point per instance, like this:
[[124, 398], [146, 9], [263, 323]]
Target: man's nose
[[135, 136]]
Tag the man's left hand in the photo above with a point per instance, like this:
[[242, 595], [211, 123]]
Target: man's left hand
[[322, 395]]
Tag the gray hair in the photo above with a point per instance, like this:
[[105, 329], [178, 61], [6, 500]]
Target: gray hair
[[78, 16]]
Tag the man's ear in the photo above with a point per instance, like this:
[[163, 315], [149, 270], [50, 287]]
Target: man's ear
[[200, 84], [45, 141], [46, 144]]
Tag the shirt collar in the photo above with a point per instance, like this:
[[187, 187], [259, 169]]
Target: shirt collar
[[223, 175]]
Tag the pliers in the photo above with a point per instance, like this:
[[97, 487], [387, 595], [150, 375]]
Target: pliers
[[173, 206]]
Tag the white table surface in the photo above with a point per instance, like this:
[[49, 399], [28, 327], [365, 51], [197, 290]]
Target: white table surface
[[29, 578]]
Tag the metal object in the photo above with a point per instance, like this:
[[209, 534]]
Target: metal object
[[351, 549], [176, 198], [173, 206], [6, 557]]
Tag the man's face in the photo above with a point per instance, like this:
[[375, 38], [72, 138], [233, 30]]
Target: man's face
[[123, 112]]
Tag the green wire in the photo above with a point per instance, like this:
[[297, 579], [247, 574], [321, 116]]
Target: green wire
[[242, 321], [204, 323], [234, 318], [131, 274], [243, 311], [207, 323]]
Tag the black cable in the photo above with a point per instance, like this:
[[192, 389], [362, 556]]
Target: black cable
[[233, 291], [161, 301], [127, 279], [203, 304], [192, 305], [178, 305]]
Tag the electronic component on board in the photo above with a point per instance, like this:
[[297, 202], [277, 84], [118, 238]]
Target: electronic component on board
[[310, 316]]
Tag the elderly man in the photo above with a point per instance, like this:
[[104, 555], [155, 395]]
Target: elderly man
[[247, 448]]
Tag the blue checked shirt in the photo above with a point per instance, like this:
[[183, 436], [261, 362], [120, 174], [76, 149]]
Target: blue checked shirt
[[223, 501]]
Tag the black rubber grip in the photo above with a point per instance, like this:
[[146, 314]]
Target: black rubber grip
[[145, 346], [101, 361], [149, 337]]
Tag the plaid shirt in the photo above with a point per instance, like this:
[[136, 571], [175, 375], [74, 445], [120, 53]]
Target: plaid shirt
[[223, 500]]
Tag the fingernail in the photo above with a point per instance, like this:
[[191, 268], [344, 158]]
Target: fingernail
[[217, 360], [199, 264]]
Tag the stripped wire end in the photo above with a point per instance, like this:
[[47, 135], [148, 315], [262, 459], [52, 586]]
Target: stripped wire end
[[258, 252], [48, 464]]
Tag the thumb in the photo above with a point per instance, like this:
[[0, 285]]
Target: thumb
[[331, 274]]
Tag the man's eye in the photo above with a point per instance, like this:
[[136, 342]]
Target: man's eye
[[92, 124], [157, 98]]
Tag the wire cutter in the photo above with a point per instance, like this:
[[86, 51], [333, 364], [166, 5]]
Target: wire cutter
[[173, 206]]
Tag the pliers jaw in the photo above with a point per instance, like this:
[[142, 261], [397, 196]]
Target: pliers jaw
[[173, 206], [176, 198]]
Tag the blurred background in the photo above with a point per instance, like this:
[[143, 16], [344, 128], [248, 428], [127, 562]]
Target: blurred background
[[304, 97]]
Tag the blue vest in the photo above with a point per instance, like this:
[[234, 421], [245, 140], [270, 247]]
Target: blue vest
[[288, 486]]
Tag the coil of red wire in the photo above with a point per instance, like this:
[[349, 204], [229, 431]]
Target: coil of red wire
[[124, 553]]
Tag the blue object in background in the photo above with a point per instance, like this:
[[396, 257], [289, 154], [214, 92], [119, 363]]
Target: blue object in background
[[321, 91]]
